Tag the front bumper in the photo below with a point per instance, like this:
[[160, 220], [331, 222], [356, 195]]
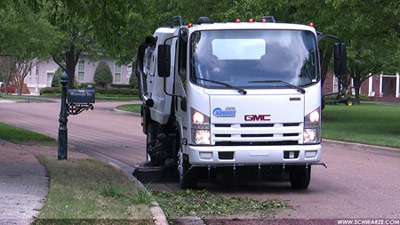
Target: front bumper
[[253, 155]]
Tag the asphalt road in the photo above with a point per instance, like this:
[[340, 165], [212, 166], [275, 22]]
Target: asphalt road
[[358, 183]]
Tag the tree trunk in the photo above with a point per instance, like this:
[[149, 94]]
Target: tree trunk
[[6, 88], [357, 86], [325, 65], [70, 60]]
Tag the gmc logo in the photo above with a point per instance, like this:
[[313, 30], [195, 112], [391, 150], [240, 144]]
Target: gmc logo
[[261, 117]]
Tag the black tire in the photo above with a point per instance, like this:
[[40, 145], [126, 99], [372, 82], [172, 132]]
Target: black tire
[[300, 176], [150, 139], [187, 175]]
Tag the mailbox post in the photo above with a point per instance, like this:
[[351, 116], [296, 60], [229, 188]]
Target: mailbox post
[[76, 102], [63, 130]]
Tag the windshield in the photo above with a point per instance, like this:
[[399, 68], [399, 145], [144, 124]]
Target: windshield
[[248, 58]]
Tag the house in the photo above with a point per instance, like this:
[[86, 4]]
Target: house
[[382, 87], [41, 75]]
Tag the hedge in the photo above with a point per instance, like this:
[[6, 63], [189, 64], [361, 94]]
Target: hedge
[[120, 85], [49, 90], [100, 90]]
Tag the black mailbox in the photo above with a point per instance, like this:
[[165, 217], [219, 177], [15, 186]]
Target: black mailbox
[[81, 96]]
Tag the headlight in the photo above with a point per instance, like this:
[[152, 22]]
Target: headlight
[[198, 118], [312, 127], [310, 135], [202, 137], [201, 134]]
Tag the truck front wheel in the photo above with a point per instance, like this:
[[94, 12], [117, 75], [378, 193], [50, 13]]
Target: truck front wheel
[[187, 175], [300, 176]]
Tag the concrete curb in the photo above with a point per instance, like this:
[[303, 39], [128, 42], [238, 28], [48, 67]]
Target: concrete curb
[[126, 112], [358, 146], [157, 213]]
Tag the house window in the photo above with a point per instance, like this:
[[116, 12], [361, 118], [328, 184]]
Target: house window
[[81, 71], [117, 73], [37, 70]]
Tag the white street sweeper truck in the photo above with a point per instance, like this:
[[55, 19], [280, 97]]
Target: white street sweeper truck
[[235, 96]]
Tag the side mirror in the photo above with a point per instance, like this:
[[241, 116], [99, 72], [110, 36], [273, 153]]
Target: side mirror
[[164, 60], [340, 58]]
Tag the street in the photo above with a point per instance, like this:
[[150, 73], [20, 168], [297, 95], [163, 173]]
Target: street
[[358, 183]]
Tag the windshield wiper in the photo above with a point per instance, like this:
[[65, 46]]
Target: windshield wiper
[[299, 89], [240, 90]]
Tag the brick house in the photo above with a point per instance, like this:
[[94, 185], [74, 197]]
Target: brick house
[[383, 87], [42, 74]]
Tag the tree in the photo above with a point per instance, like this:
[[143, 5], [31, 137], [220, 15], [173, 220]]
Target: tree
[[25, 35], [7, 70], [56, 79], [103, 75], [75, 37]]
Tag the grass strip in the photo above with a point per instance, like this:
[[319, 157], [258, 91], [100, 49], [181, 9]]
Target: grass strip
[[99, 97], [130, 107], [202, 203], [88, 191], [374, 123], [19, 135]]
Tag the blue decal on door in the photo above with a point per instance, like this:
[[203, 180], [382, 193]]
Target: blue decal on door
[[228, 112]]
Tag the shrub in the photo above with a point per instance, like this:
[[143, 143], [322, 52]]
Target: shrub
[[127, 91], [133, 81], [103, 75], [100, 90], [56, 79], [364, 97], [49, 90], [120, 85], [114, 91], [84, 85]]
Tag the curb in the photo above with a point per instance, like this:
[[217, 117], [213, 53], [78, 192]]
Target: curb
[[126, 112], [156, 211], [359, 146]]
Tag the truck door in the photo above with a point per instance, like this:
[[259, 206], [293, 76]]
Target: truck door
[[149, 68], [181, 79]]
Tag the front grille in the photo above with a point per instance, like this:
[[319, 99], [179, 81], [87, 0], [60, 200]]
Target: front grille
[[257, 143], [257, 125], [256, 134]]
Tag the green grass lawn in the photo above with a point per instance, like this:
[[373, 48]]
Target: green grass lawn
[[374, 123], [17, 99], [130, 107], [21, 136], [89, 191]]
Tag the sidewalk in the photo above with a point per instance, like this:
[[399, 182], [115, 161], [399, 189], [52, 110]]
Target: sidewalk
[[23, 184], [24, 181]]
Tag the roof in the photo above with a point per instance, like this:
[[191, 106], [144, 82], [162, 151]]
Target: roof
[[254, 25]]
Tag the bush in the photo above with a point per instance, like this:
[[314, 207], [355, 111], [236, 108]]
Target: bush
[[100, 90], [114, 91], [128, 91], [133, 81], [364, 97], [49, 90], [84, 85], [120, 85], [56, 79], [103, 75]]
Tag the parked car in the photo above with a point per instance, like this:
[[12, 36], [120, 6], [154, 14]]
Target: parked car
[[10, 89]]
